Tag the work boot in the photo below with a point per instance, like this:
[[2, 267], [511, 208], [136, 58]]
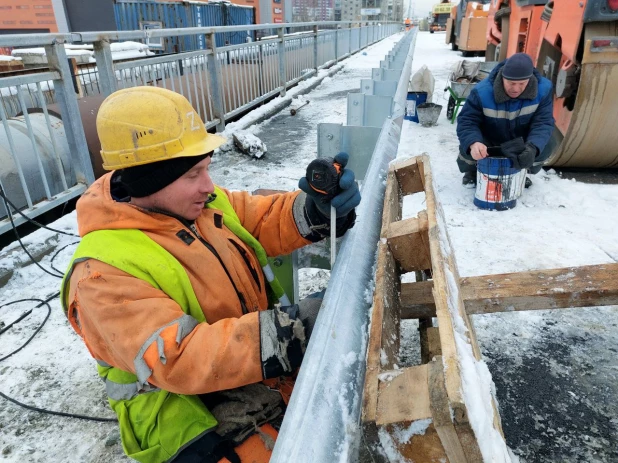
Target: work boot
[[469, 180], [528, 182]]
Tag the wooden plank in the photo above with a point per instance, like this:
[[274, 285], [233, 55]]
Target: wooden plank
[[433, 342], [441, 412], [403, 401], [392, 202], [587, 286], [441, 296], [410, 176], [424, 324], [570, 287], [405, 398], [408, 243], [425, 448], [449, 304], [383, 348]]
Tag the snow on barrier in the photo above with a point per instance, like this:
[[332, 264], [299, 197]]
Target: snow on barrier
[[322, 422]]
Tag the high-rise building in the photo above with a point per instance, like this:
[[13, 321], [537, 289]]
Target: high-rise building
[[313, 10]]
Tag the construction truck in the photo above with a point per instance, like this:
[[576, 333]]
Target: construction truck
[[466, 27], [440, 14], [574, 43]]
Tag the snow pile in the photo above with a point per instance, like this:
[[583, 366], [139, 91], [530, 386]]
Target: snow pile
[[84, 53], [249, 144], [9, 58]]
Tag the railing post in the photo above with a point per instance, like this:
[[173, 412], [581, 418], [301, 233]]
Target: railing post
[[336, 44], [316, 64], [214, 74], [360, 36], [105, 67], [282, 74], [350, 39], [72, 121]]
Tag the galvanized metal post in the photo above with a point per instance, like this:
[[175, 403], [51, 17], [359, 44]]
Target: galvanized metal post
[[105, 67], [336, 44], [215, 82], [350, 38], [71, 119], [282, 74], [316, 65], [360, 37]]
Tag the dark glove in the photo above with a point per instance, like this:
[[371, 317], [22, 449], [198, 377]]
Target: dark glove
[[282, 342], [526, 158], [512, 149], [306, 311], [317, 205]]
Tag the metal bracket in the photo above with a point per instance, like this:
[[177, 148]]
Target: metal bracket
[[368, 110], [385, 74], [378, 87], [358, 142]]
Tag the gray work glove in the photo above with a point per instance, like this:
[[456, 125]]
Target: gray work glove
[[282, 342], [307, 312]]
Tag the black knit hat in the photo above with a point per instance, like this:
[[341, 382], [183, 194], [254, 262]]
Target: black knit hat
[[147, 179], [518, 67]]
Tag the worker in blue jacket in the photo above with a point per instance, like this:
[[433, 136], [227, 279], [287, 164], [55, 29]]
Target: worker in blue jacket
[[511, 108]]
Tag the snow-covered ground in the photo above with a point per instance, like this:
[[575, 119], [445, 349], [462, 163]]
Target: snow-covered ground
[[555, 371]]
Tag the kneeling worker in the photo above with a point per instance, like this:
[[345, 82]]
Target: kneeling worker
[[170, 286], [511, 108]]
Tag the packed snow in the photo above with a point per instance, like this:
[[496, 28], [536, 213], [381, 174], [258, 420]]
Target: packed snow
[[555, 372]]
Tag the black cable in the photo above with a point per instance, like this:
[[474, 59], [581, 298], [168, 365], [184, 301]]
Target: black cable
[[51, 262], [52, 412], [30, 407], [33, 222], [10, 214], [41, 303]]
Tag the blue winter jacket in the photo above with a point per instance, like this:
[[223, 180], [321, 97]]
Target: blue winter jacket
[[491, 117]]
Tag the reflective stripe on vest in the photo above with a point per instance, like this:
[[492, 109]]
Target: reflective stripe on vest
[[231, 221]]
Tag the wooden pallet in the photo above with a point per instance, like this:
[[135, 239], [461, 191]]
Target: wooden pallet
[[431, 395]]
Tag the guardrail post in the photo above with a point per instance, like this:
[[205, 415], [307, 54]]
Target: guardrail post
[[350, 39], [360, 37], [336, 43], [105, 67], [214, 73], [71, 119], [282, 75], [316, 64]]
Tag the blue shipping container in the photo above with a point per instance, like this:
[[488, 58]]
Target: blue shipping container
[[138, 15], [222, 14]]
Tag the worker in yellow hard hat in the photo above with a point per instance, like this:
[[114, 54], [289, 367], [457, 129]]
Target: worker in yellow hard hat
[[170, 286]]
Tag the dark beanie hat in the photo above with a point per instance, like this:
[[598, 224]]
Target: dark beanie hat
[[147, 179], [518, 67]]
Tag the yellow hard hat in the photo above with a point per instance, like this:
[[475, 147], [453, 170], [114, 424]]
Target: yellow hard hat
[[141, 125]]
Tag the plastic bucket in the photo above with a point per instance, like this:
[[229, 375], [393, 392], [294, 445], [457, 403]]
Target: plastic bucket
[[428, 113], [413, 100], [498, 185]]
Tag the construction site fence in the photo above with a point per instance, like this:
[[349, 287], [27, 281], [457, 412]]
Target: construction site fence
[[44, 155]]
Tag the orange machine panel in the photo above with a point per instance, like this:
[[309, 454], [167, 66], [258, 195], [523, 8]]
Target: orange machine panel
[[566, 25]]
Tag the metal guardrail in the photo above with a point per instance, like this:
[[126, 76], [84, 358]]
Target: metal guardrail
[[43, 165], [322, 421]]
